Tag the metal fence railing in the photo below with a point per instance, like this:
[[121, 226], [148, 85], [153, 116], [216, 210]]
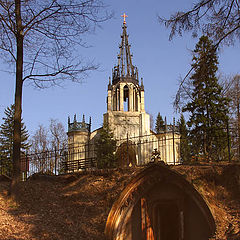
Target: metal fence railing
[[130, 151]]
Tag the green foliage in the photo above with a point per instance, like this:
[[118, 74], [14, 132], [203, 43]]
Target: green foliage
[[105, 148], [160, 125], [184, 141], [207, 106], [6, 139]]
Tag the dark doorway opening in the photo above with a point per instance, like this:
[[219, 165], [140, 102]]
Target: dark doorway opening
[[166, 221]]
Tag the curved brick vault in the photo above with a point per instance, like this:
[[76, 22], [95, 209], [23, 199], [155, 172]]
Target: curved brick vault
[[159, 204]]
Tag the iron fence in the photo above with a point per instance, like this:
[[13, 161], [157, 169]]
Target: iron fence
[[130, 151]]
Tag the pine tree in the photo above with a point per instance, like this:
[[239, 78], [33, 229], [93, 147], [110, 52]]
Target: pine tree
[[160, 125], [207, 106], [184, 141], [6, 139], [105, 148]]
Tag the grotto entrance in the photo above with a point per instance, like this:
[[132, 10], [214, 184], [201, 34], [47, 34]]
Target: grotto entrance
[[166, 221], [159, 204], [161, 221]]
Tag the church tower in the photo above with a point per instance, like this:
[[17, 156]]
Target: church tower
[[126, 114]]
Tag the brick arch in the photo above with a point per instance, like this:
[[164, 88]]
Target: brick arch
[[149, 190]]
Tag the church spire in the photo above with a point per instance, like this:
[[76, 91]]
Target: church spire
[[125, 70]]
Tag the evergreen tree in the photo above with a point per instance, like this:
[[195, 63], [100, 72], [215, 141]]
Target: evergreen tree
[[105, 148], [160, 125], [6, 139], [184, 141], [207, 106]]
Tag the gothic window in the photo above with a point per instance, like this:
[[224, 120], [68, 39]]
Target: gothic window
[[136, 100], [117, 99], [126, 98]]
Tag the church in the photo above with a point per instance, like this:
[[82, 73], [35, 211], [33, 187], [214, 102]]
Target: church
[[127, 119]]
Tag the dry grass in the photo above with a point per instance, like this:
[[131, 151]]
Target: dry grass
[[76, 206]]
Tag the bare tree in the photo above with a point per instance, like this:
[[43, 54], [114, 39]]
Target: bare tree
[[40, 38], [47, 146], [40, 140], [218, 19], [233, 93], [40, 145], [58, 135]]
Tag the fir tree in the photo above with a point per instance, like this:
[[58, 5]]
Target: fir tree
[[207, 107], [105, 148], [6, 139], [184, 141], [160, 125]]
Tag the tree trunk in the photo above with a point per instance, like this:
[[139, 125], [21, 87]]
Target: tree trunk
[[238, 119], [18, 101], [238, 128]]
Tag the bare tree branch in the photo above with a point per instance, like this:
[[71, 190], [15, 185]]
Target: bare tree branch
[[219, 19], [42, 38]]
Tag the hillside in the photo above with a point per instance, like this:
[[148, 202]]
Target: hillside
[[76, 206]]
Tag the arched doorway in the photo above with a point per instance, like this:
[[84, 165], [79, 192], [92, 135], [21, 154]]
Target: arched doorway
[[126, 154], [159, 204]]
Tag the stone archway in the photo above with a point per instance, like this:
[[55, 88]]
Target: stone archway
[[159, 204], [126, 154]]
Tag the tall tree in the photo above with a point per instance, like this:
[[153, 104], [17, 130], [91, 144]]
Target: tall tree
[[185, 154], [219, 19], [207, 106], [160, 125], [40, 38], [6, 138], [105, 148]]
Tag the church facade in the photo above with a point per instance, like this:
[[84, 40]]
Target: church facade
[[127, 119]]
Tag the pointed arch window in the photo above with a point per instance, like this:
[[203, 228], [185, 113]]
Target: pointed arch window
[[126, 98]]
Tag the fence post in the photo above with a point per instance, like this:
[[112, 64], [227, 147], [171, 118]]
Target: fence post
[[55, 164], [173, 131], [229, 147]]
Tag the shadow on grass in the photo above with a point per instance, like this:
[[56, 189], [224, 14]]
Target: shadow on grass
[[65, 207]]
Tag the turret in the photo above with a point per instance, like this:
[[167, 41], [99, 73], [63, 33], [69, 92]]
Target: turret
[[124, 92]]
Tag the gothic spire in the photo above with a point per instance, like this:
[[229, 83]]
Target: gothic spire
[[125, 70]]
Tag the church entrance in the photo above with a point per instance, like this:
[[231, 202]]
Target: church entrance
[[126, 154]]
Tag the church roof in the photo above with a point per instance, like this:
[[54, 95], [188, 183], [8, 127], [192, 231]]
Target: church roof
[[125, 70], [79, 126]]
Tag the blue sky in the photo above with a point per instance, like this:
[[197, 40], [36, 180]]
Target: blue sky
[[160, 63]]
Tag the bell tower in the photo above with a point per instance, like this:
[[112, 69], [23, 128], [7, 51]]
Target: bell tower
[[126, 114]]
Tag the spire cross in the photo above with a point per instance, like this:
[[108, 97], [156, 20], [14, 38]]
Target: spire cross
[[124, 18]]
